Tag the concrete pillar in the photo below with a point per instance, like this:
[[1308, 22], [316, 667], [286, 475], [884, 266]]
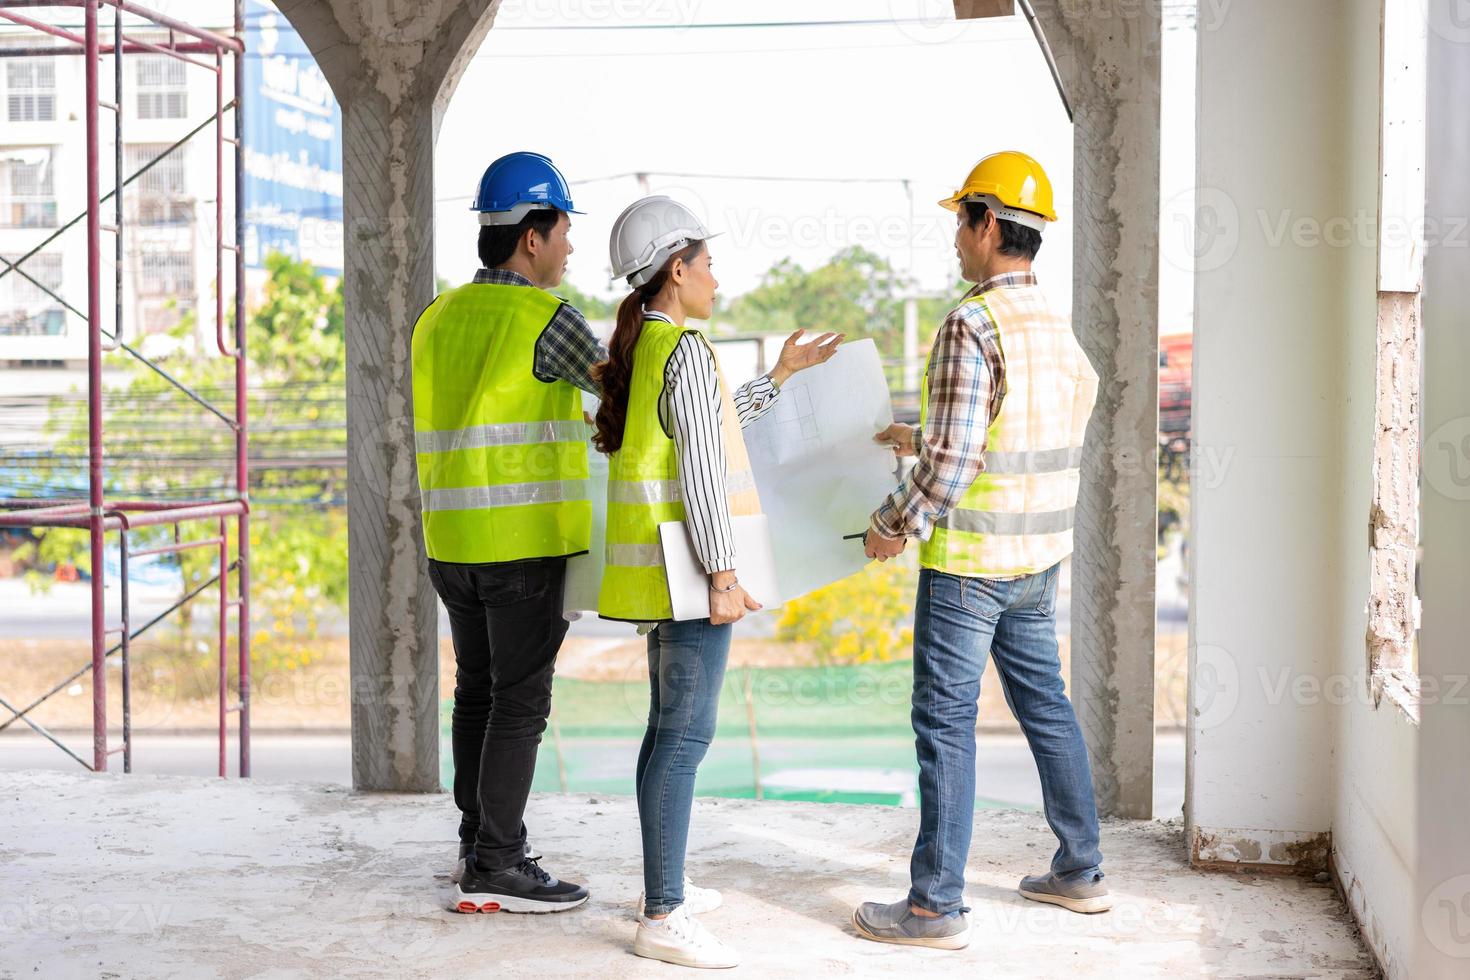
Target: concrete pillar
[[1108, 55], [1442, 905], [393, 67], [1284, 744]]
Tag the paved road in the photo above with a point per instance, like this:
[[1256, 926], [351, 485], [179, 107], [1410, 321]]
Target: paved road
[[63, 611]]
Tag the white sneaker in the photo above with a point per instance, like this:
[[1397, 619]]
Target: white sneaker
[[696, 900], [683, 941]]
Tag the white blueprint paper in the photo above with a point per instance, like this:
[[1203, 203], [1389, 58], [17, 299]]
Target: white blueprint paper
[[819, 472]]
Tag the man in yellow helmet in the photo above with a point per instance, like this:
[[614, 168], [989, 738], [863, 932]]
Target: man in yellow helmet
[[1004, 407]]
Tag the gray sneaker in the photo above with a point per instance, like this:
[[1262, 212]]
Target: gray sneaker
[[1085, 895], [896, 924]]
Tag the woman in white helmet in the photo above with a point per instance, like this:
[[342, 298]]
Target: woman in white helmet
[[672, 428]]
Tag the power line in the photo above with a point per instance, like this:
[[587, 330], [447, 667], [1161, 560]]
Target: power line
[[779, 178]]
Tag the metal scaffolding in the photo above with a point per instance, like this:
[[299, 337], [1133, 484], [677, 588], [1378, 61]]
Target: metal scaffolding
[[97, 513]]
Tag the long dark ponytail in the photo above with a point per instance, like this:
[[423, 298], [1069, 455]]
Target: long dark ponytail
[[615, 374]]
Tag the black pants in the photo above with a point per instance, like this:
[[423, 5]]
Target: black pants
[[507, 624]]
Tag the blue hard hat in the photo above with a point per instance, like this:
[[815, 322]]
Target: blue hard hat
[[518, 183]]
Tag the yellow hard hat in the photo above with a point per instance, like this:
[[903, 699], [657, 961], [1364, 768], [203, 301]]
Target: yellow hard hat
[[1013, 180]]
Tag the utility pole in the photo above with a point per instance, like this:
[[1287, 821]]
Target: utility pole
[[911, 308]]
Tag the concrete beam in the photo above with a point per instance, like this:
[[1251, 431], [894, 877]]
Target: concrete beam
[[392, 67], [1110, 66], [977, 9]]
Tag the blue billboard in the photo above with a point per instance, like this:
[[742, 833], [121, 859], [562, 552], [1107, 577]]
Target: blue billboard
[[293, 147]]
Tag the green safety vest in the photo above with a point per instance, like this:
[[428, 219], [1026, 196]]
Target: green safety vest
[[502, 455], [643, 484], [1017, 517]]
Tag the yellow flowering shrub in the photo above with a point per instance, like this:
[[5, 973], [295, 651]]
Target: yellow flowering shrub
[[865, 618]]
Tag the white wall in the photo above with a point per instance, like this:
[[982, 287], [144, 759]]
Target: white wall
[[1442, 898], [1285, 743], [1269, 396]]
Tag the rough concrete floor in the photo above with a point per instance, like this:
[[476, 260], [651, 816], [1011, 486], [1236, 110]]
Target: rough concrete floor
[[167, 876]]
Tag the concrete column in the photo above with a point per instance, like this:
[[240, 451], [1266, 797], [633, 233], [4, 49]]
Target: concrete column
[[1109, 60], [392, 67], [1442, 902]]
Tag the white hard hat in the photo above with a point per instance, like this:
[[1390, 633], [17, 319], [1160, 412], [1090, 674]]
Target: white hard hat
[[647, 232]]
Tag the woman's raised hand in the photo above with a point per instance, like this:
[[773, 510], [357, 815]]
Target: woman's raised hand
[[796, 356]]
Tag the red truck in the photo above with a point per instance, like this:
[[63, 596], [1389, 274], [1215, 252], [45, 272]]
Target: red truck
[[1176, 357]]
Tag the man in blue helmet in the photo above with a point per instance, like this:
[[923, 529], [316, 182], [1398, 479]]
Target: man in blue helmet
[[502, 463]]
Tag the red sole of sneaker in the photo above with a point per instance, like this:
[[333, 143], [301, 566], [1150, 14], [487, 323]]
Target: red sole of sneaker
[[472, 907]]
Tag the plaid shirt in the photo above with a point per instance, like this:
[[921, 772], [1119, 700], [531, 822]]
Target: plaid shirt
[[567, 348], [967, 382]]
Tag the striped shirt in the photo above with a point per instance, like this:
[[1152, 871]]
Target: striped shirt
[[567, 348], [689, 407], [967, 382]]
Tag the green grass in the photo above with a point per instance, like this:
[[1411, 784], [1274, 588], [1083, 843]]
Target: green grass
[[848, 721]]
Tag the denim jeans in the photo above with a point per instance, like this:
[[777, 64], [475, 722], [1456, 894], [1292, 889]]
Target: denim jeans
[[957, 621], [686, 668], [507, 623]]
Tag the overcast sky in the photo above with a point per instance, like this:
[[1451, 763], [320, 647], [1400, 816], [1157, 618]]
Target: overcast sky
[[613, 87], [853, 110]]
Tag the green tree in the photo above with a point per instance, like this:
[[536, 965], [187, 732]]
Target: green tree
[[591, 307], [161, 445], [857, 293]]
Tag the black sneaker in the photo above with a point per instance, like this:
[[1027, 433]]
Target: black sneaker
[[464, 850], [523, 888]]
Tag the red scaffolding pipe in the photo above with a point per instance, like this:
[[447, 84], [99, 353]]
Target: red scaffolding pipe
[[214, 40], [94, 398], [132, 44], [96, 514]]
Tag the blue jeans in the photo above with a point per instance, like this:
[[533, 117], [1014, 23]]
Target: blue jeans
[[957, 621], [686, 668]]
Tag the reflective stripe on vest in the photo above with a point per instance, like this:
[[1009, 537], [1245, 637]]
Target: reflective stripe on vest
[[508, 434], [1017, 517], [1039, 461], [504, 495], [502, 455], [667, 491], [990, 522], [643, 484]]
